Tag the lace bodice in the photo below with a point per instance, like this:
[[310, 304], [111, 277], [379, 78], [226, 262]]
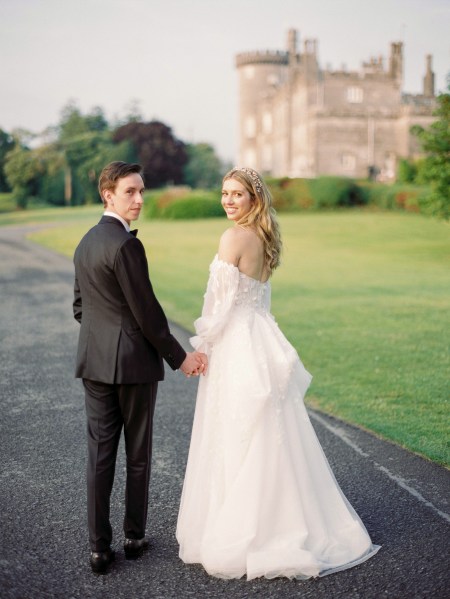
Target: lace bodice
[[252, 294], [229, 293]]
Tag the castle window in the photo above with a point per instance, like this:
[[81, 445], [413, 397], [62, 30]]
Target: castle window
[[267, 122], [348, 162], [354, 95], [250, 127]]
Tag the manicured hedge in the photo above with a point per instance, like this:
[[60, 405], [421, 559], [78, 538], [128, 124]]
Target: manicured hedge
[[321, 193], [183, 203], [334, 192], [399, 196], [292, 195]]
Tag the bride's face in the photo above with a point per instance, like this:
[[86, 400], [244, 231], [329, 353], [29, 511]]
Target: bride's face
[[236, 200]]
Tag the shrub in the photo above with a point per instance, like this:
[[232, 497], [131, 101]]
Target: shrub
[[22, 197], [51, 189], [194, 207], [299, 191], [182, 203], [379, 195], [170, 194], [290, 194], [397, 197], [422, 176], [333, 192], [406, 171], [151, 208]]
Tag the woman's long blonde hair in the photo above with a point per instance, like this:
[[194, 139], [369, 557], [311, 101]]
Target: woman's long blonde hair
[[261, 217]]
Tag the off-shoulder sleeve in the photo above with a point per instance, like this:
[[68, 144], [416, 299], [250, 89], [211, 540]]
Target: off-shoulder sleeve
[[220, 294]]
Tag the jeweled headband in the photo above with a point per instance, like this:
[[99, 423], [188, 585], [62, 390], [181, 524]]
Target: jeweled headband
[[253, 175]]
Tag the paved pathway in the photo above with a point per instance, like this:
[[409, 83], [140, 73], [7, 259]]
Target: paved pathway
[[402, 499]]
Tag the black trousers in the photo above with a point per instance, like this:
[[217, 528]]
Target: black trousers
[[109, 408]]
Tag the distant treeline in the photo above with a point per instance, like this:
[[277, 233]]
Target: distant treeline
[[61, 165]]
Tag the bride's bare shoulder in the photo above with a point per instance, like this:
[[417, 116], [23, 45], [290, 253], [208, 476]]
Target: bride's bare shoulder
[[230, 246], [243, 248], [237, 237], [229, 235]]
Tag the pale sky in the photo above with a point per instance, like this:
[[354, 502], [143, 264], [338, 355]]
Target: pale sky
[[176, 57]]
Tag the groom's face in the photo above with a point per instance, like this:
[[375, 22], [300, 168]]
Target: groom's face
[[127, 198]]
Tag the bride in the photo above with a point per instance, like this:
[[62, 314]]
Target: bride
[[259, 497]]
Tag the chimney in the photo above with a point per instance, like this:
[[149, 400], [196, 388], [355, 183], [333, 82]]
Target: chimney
[[428, 80]]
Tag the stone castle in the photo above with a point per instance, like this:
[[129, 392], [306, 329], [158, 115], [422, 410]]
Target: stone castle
[[299, 120]]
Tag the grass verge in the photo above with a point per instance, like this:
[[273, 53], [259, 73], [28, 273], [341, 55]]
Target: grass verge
[[364, 297]]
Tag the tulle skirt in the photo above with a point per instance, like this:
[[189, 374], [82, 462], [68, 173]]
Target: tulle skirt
[[259, 497]]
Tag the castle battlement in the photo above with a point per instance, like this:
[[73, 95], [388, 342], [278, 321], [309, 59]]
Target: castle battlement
[[262, 57], [356, 76], [419, 100]]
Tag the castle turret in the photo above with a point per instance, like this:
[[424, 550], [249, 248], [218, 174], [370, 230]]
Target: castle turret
[[428, 80], [396, 61], [292, 46], [259, 74]]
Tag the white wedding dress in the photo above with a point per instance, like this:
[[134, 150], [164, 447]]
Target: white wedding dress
[[259, 497]]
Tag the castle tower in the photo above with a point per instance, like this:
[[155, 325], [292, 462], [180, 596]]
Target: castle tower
[[396, 62], [292, 46], [259, 74], [428, 80], [293, 61]]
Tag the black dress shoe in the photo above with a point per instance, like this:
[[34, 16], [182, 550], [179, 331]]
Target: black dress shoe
[[100, 560], [134, 548]]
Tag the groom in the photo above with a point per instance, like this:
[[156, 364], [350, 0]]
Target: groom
[[124, 337]]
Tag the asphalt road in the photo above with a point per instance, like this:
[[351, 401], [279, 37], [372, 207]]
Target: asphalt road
[[402, 498]]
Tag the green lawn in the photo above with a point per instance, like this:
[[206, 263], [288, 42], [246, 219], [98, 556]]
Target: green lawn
[[364, 297], [48, 214], [7, 202]]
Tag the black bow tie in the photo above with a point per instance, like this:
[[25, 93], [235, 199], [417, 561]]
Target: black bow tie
[[134, 232]]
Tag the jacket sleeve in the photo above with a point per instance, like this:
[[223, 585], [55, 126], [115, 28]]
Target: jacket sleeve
[[220, 296], [131, 270], [77, 304]]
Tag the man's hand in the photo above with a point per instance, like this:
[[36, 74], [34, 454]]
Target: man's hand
[[194, 364]]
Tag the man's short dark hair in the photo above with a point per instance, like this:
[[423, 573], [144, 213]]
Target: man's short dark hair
[[113, 172]]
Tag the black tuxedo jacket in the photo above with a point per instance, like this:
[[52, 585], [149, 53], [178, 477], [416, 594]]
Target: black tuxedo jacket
[[124, 332]]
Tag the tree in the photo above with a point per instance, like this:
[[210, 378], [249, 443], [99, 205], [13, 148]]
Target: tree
[[407, 171], [160, 153], [6, 145], [133, 113], [203, 168], [64, 169], [82, 139], [23, 167], [436, 144], [73, 122]]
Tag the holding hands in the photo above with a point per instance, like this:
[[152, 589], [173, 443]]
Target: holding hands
[[194, 364]]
